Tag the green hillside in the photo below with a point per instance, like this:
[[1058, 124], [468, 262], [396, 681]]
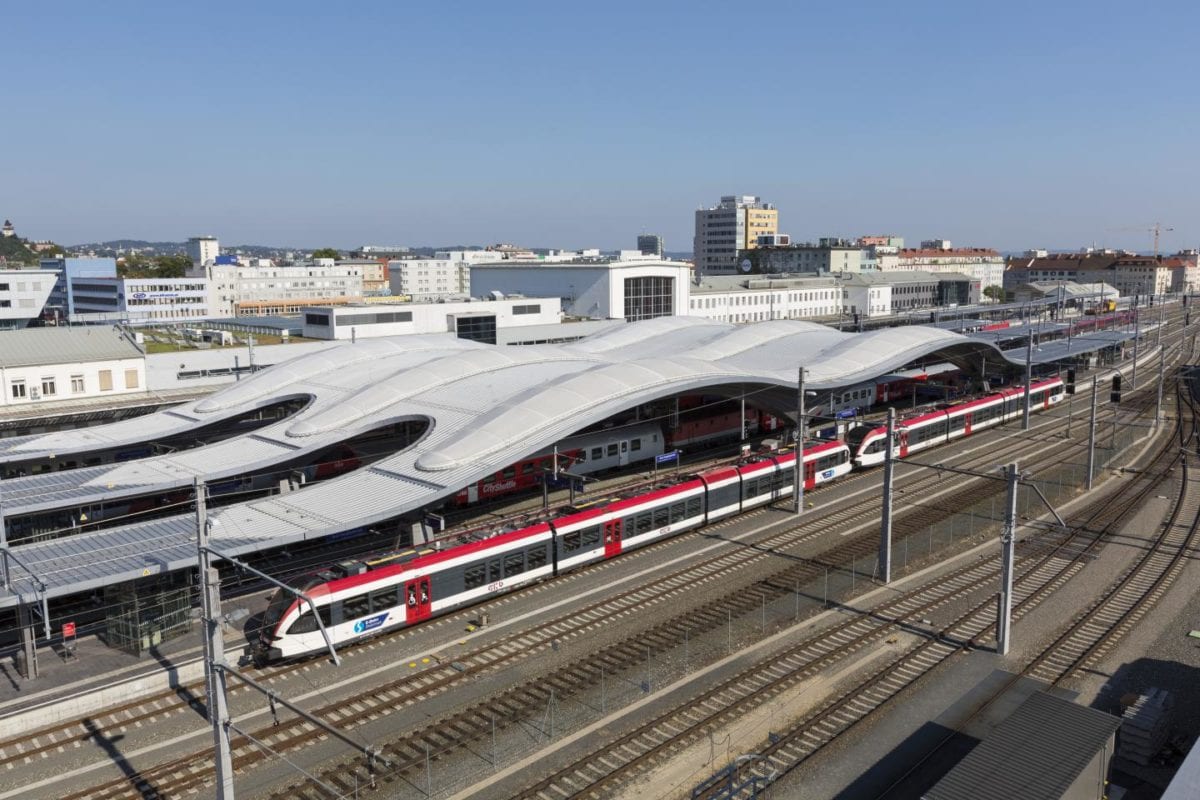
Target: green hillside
[[14, 250]]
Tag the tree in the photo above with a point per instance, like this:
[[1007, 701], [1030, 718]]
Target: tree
[[994, 293], [326, 252]]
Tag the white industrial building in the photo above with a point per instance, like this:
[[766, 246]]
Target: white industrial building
[[447, 274], [40, 365], [629, 286], [238, 290], [477, 320], [23, 295]]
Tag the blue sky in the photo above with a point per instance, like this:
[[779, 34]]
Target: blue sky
[[1010, 125]]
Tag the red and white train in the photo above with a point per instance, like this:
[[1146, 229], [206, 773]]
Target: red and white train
[[951, 422], [359, 599]]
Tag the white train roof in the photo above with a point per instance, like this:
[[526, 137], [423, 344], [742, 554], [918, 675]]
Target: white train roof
[[486, 407]]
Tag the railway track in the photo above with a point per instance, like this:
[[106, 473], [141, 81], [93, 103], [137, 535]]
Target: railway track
[[1127, 599], [195, 769], [426, 684]]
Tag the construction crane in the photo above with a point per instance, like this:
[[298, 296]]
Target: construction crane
[[1157, 228]]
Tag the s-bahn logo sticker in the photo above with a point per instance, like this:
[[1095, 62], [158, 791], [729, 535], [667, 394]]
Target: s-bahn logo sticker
[[827, 474], [370, 623]]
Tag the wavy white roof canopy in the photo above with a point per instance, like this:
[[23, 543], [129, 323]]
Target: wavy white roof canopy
[[487, 407]]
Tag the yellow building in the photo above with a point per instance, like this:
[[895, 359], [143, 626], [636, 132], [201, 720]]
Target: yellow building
[[728, 229]]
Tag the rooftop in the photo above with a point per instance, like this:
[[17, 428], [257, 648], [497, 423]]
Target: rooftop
[[1035, 754], [64, 345]]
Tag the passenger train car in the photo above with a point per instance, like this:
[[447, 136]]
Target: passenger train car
[[951, 422], [359, 599], [356, 599]]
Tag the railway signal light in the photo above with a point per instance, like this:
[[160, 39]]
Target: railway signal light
[[1115, 395], [1070, 381]]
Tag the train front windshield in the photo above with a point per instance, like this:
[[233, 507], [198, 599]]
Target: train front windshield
[[275, 610]]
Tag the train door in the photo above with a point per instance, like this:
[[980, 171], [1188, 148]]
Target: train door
[[473, 493], [810, 474], [417, 600], [612, 538], [967, 424], [623, 458], [903, 444]]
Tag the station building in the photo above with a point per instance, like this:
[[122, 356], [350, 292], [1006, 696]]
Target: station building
[[627, 286]]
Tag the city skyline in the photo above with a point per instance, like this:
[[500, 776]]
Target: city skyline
[[1032, 126]]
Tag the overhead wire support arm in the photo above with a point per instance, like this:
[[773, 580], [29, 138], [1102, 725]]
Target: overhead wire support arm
[[39, 586], [372, 753], [290, 589], [1021, 480]]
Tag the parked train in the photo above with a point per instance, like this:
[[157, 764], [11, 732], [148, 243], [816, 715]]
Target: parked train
[[590, 453], [359, 599]]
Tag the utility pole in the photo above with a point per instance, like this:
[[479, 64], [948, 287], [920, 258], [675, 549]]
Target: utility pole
[[214, 651], [1008, 545], [1028, 379], [1091, 459], [3, 546], [885, 529], [798, 474]]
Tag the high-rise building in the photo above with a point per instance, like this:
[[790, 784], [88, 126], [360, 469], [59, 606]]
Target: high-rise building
[[726, 231], [650, 244], [202, 249]]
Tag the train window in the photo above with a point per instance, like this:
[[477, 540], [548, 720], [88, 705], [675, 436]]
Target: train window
[[678, 511], [624, 447], [355, 607], [494, 570], [597, 453], [695, 506], [582, 456], [509, 472], [591, 536], [528, 467], [514, 563], [612, 449], [572, 541], [662, 517], [535, 557], [474, 576], [307, 623], [384, 598], [635, 445], [642, 522]]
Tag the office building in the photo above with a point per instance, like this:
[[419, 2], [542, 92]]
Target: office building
[[269, 289], [650, 244], [23, 295], [738, 298], [139, 300], [1130, 274], [203, 249], [725, 232], [827, 255], [60, 304]]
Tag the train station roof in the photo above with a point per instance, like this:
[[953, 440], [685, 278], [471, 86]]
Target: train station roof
[[486, 406]]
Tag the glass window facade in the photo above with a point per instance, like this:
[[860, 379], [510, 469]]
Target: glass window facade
[[646, 298], [477, 329]]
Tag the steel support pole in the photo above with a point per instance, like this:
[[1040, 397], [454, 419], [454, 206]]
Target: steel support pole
[[1008, 545], [1091, 459], [1136, 332], [214, 651], [1028, 380], [885, 528], [798, 472]]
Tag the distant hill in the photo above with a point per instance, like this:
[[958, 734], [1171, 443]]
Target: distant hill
[[14, 251]]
